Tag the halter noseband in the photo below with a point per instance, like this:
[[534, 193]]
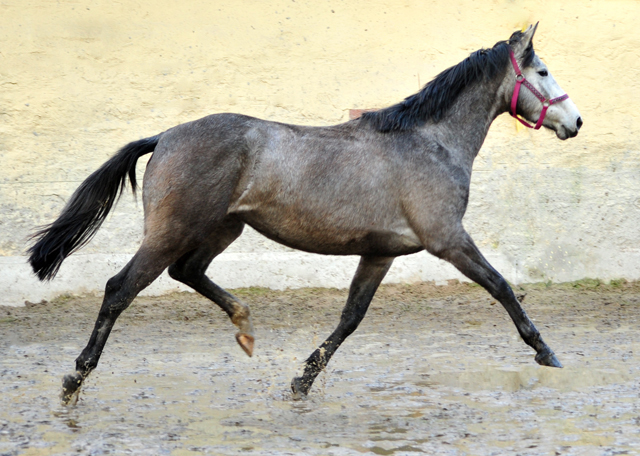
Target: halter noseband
[[520, 79]]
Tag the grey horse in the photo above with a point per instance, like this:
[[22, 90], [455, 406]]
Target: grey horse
[[393, 182]]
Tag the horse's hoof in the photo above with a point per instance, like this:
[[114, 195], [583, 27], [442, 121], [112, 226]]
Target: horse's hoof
[[71, 388], [299, 389], [548, 358], [246, 342]]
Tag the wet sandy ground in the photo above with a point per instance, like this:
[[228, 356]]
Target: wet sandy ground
[[431, 370]]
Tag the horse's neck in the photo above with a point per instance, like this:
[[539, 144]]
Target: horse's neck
[[467, 122]]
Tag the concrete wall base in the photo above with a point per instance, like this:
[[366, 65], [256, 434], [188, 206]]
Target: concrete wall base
[[89, 273]]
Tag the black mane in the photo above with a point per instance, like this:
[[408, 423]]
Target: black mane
[[435, 98]]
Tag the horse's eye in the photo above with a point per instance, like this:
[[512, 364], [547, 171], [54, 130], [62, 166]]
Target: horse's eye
[[543, 73]]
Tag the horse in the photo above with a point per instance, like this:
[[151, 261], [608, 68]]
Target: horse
[[392, 182]]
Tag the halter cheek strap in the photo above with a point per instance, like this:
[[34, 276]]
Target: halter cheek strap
[[520, 80]]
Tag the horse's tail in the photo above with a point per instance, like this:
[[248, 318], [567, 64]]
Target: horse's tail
[[86, 210]]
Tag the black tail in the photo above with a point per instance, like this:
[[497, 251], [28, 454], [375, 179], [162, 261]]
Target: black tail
[[86, 210]]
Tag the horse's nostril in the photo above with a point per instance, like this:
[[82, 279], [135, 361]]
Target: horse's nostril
[[579, 122]]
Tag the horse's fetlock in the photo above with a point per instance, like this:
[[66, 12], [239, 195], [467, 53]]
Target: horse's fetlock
[[84, 367], [317, 361], [241, 313]]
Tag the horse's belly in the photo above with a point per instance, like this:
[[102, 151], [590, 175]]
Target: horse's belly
[[326, 236]]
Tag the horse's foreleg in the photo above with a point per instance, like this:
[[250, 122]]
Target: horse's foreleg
[[370, 273], [465, 256], [190, 270], [119, 293]]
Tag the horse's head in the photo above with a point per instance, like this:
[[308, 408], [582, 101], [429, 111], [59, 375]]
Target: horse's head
[[535, 94]]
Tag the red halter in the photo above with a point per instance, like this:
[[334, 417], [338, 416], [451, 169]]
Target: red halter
[[520, 79]]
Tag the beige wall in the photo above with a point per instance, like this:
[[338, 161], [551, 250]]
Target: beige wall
[[79, 79]]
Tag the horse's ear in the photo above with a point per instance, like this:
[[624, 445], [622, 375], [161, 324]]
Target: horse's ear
[[528, 34], [525, 39]]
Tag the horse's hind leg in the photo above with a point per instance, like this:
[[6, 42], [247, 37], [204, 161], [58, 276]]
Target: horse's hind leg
[[370, 273], [121, 289], [191, 267], [464, 255]]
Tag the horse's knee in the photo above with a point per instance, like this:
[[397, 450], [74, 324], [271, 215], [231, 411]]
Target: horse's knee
[[500, 288]]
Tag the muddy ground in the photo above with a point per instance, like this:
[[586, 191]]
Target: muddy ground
[[431, 370]]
